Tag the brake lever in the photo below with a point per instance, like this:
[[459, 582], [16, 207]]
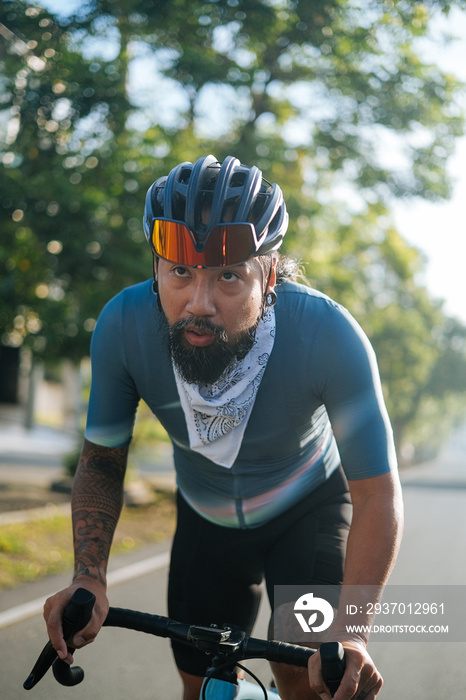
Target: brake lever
[[76, 616]]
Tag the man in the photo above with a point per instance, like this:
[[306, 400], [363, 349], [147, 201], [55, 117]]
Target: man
[[253, 395]]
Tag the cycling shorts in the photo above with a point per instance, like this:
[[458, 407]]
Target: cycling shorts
[[216, 572]]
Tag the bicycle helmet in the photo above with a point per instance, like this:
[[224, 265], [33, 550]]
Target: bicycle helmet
[[207, 193]]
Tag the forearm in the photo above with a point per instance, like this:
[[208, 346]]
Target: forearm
[[96, 504], [373, 545], [373, 541]]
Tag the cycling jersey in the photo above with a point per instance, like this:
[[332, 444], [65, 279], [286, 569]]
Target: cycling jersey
[[321, 383]]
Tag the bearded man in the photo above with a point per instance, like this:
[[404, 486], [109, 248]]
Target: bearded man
[[270, 393]]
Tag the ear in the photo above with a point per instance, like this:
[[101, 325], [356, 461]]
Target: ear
[[272, 280]]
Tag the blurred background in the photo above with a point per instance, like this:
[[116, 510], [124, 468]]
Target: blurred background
[[355, 108]]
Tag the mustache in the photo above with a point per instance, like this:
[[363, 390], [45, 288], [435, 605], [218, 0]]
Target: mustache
[[201, 324], [205, 365]]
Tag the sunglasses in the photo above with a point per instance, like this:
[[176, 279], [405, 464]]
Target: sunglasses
[[226, 244]]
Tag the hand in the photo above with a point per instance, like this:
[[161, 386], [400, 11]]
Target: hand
[[53, 612], [361, 680]]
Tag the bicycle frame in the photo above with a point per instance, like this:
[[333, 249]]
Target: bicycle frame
[[223, 690]]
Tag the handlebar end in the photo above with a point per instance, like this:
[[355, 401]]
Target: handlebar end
[[29, 682], [333, 664]]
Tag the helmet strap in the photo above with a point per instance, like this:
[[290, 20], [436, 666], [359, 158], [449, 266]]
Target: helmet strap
[[155, 284]]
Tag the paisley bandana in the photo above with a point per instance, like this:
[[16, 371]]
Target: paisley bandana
[[217, 414]]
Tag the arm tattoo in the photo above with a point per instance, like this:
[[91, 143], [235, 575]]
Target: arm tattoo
[[96, 505]]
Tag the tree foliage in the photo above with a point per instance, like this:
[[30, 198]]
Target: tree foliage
[[334, 100]]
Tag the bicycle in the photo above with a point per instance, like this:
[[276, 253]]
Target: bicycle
[[225, 646]]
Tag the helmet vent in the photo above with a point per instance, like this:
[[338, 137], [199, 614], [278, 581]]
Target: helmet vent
[[184, 176], [238, 180], [179, 203]]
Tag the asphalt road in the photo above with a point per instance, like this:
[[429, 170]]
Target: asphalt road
[[123, 664], [432, 553]]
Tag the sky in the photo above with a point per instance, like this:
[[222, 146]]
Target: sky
[[437, 229]]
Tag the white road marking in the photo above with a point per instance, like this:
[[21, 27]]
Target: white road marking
[[126, 573]]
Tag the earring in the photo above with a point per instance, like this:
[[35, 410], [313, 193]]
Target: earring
[[271, 299]]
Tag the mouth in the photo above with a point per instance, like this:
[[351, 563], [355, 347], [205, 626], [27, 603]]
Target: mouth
[[199, 337]]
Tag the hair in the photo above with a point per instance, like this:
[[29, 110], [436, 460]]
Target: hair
[[287, 268]]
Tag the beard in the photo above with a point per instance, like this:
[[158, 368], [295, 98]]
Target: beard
[[205, 365]]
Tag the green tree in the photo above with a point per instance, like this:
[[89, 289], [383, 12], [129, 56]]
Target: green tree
[[70, 179]]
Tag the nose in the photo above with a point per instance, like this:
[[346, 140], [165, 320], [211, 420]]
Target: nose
[[201, 300]]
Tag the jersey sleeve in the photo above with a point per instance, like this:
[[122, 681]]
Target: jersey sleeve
[[113, 398], [350, 385]]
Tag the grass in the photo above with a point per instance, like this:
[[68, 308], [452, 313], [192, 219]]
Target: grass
[[43, 547]]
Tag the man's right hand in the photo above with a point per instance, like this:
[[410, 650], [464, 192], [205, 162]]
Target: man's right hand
[[54, 608]]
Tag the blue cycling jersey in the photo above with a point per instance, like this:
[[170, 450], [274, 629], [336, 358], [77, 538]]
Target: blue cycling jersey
[[320, 401]]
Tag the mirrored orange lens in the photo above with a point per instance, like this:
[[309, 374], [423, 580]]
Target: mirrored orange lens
[[172, 240], [227, 244]]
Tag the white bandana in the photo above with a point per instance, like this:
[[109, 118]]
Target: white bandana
[[217, 414]]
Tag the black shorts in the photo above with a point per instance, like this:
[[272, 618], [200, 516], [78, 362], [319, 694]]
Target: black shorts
[[216, 572]]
